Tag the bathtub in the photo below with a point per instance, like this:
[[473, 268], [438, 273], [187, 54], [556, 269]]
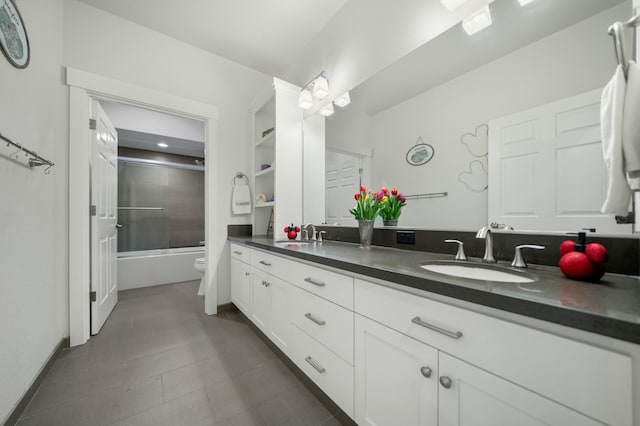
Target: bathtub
[[154, 267]]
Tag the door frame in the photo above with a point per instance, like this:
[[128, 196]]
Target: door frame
[[84, 86]]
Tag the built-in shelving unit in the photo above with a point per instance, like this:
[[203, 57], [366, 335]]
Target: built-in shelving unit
[[276, 128]]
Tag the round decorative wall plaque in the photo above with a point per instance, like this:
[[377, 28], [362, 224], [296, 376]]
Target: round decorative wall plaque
[[420, 153], [13, 35]]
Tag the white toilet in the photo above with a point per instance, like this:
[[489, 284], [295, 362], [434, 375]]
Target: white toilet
[[199, 265]]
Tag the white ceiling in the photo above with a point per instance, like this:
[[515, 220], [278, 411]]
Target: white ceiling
[[263, 35]]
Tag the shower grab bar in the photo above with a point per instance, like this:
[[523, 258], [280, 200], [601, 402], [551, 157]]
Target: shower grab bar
[[140, 208], [34, 161]]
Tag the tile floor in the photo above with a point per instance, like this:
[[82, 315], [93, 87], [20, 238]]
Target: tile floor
[[159, 360]]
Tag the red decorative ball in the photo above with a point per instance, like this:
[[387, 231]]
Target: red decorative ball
[[577, 266], [596, 253], [567, 247], [292, 235]]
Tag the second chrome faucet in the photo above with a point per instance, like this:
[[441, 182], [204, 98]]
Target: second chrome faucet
[[485, 233]]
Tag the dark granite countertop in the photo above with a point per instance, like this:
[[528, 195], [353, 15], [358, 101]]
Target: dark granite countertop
[[610, 307]]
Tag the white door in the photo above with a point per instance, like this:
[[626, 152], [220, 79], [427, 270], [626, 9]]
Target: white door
[[241, 286], [260, 302], [342, 183], [395, 378], [546, 169], [104, 194], [280, 313], [470, 396]]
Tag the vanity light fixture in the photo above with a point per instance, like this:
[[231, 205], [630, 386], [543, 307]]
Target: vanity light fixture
[[343, 100], [327, 110], [305, 101], [477, 21], [163, 145], [524, 2]]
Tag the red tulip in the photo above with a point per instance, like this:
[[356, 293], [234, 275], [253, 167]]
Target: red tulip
[[363, 189], [384, 190], [357, 197], [394, 191]]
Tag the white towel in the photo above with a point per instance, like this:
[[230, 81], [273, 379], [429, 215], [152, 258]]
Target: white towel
[[611, 117], [241, 199], [631, 125]]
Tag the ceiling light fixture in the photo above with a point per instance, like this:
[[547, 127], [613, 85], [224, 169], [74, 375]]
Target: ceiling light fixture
[[478, 21], [452, 4], [327, 109], [524, 2], [305, 101], [163, 145], [343, 100], [320, 87]]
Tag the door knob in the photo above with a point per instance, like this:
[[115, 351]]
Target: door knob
[[119, 225]]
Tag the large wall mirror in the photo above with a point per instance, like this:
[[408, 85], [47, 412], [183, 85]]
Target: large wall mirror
[[446, 93]]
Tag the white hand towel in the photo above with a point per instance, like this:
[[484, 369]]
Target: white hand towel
[[611, 116], [241, 199], [631, 124]]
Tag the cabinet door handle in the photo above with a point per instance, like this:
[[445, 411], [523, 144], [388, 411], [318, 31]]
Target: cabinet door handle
[[265, 263], [314, 282], [446, 382], [237, 252], [426, 372], [265, 283], [315, 365], [453, 334], [314, 319]]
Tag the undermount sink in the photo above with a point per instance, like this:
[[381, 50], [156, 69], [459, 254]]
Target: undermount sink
[[479, 271], [295, 242]]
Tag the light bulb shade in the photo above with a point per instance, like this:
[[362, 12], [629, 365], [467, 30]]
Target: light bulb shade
[[524, 2], [477, 21], [305, 101], [452, 4], [327, 110], [343, 100], [320, 87]]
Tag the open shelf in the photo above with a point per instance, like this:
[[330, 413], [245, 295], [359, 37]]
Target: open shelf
[[267, 141], [265, 171]]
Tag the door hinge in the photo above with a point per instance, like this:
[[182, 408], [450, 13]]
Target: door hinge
[[92, 296], [92, 210], [92, 124]]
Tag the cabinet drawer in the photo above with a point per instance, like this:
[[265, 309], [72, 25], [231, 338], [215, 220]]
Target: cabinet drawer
[[268, 262], [326, 322], [241, 253], [334, 287], [332, 374], [589, 379]]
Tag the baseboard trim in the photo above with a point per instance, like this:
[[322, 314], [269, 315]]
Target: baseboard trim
[[342, 417], [13, 417]]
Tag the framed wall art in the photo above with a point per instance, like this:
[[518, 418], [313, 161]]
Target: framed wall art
[[14, 42], [420, 153]]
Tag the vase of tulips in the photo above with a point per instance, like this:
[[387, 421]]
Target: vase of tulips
[[392, 204], [368, 205]]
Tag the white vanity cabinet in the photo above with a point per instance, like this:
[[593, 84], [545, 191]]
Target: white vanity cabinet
[[241, 281], [489, 371]]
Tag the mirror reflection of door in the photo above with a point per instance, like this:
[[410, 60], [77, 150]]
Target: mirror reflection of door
[[343, 180]]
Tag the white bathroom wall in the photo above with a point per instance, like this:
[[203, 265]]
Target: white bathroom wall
[[33, 213], [534, 75], [134, 54]]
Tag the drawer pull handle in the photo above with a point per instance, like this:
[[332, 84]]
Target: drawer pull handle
[[265, 283], [265, 263], [315, 365], [454, 335], [237, 252], [426, 372], [314, 319], [446, 382], [314, 282]]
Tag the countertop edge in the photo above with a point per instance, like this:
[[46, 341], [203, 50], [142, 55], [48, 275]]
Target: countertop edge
[[610, 327]]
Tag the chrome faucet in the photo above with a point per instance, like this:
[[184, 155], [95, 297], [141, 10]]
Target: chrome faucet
[[311, 233], [485, 233]]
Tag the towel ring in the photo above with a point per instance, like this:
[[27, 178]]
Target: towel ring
[[240, 175]]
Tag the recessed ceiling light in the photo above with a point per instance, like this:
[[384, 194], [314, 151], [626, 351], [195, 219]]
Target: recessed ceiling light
[[163, 145]]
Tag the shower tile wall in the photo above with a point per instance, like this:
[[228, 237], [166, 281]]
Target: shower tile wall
[[176, 199]]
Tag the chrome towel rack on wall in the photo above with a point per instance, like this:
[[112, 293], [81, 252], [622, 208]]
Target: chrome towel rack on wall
[[34, 159], [616, 30], [426, 195]]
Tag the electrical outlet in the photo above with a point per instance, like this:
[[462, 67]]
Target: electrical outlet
[[406, 237]]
